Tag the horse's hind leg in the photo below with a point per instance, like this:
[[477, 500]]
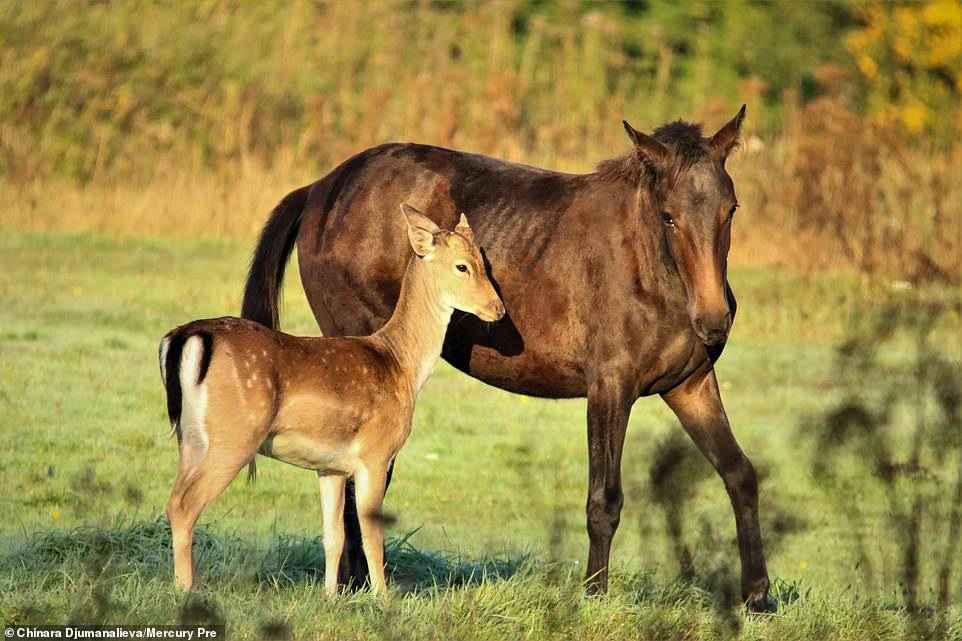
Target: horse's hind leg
[[353, 567], [202, 476], [698, 406]]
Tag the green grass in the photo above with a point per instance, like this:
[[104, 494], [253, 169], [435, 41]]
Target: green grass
[[489, 539]]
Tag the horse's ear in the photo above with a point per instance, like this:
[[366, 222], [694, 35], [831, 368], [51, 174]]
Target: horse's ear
[[648, 149], [727, 137], [464, 228], [421, 230]]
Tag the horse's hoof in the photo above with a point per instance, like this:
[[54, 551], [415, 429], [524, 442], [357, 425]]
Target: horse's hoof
[[758, 601], [594, 587]]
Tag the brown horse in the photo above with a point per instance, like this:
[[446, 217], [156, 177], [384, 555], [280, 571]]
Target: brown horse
[[614, 282]]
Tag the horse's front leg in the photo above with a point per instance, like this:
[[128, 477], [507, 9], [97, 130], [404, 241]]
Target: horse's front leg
[[609, 404], [698, 406]]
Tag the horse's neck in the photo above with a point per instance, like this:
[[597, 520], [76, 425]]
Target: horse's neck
[[415, 332]]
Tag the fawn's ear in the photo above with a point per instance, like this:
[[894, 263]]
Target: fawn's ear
[[421, 231], [464, 228]]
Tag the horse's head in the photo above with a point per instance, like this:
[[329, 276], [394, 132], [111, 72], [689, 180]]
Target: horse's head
[[692, 200]]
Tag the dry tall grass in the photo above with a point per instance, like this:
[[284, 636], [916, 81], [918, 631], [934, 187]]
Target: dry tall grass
[[828, 193], [836, 192], [146, 119]]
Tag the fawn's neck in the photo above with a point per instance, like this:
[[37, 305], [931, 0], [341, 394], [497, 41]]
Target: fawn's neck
[[415, 332]]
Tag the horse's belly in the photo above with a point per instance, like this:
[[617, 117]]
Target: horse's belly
[[529, 372]]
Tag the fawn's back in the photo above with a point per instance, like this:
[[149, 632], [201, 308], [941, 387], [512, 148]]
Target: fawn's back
[[314, 402]]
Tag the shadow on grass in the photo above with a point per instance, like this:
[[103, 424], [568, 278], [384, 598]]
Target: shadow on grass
[[145, 547], [896, 432], [294, 559]]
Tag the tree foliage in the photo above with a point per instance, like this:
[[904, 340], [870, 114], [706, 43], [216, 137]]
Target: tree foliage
[[910, 56], [87, 88]]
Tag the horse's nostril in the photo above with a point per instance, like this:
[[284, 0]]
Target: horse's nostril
[[700, 327], [712, 330]]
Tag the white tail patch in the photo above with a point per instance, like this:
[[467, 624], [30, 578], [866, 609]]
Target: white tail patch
[[193, 413], [164, 346]]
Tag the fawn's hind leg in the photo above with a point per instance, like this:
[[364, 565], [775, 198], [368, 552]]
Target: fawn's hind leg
[[332, 507], [196, 486]]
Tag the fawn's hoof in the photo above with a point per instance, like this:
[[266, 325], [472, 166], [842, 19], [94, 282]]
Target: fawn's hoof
[[184, 585]]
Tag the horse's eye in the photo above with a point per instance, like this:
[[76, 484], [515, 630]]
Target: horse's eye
[[462, 267], [731, 212], [667, 219]]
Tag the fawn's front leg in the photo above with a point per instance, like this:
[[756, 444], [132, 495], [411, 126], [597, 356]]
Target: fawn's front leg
[[332, 507], [369, 483]]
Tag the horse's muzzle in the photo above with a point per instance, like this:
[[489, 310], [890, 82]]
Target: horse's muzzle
[[713, 329]]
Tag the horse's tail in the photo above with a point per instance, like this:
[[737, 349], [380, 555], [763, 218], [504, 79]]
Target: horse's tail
[[266, 274], [269, 261], [171, 353]]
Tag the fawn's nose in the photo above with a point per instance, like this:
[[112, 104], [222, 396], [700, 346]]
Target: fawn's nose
[[496, 310]]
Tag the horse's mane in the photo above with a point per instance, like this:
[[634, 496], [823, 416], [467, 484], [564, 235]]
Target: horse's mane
[[683, 139]]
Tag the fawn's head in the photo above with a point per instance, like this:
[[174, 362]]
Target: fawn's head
[[454, 265]]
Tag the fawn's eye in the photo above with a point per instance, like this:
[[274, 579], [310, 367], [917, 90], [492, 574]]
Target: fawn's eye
[[731, 213], [667, 219], [461, 267]]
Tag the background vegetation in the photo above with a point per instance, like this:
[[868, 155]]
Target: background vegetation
[[142, 145], [197, 117]]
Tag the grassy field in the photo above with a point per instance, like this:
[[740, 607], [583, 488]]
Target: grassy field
[[141, 146], [488, 495]]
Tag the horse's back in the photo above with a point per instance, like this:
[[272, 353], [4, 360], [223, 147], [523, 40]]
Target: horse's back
[[352, 247], [444, 181]]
